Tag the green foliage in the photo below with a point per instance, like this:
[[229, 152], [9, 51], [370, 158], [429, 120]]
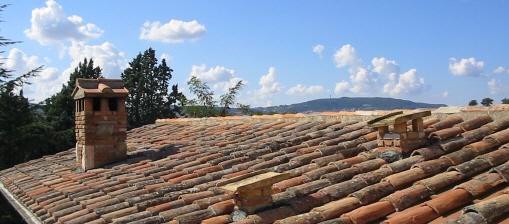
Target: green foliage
[[15, 116], [505, 101], [204, 105], [472, 103], [202, 91], [15, 113], [487, 102], [148, 84], [245, 109], [200, 111], [229, 97], [59, 108]]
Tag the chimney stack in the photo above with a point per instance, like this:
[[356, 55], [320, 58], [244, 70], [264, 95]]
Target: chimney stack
[[394, 134], [100, 121]]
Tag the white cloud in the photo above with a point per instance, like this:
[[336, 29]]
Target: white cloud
[[221, 78], [19, 62], [346, 56], [341, 87], [500, 70], [384, 66], [445, 94], [466, 67], [494, 86], [318, 49], [362, 80], [268, 83], [105, 55], [383, 76], [407, 83], [50, 25], [174, 31], [302, 90], [42, 86], [268, 88]]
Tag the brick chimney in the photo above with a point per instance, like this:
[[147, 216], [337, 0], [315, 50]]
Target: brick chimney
[[394, 134], [100, 122]]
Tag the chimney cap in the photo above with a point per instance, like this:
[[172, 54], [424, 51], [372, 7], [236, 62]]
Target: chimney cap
[[99, 87], [253, 191], [253, 180], [397, 117]]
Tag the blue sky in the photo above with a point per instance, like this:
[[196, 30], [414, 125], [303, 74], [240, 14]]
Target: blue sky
[[287, 51]]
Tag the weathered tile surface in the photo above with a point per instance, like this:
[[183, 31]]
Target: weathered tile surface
[[172, 169]]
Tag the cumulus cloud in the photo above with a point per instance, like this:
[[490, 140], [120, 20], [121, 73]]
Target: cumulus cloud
[[174, 31], [362, 80], [407, 83], [501, 70], [105, 55], [50, 25], [221, 78], [268, 83], [268, 88], [42, 86], [383, 75], [466, 66], [303, 90], [346, 56], [318, 49], [341, 87], [19, 62], [384, 66]]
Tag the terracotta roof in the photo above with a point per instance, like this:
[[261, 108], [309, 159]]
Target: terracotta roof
[[172, 170]]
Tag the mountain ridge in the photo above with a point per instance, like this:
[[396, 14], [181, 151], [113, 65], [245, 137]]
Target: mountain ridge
[[346, 104]]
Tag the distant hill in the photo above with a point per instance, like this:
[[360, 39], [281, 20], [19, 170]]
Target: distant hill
[[347, 104]]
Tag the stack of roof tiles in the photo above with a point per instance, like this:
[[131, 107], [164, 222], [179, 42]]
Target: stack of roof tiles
[[173, 168]]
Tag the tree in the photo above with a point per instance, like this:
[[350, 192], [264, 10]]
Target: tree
[[505, 101], [204, 105], [22, 134], [487, 102], [59, 108], [15, 111], [148, 85], [229, 97], [472, 103], [245, 109]]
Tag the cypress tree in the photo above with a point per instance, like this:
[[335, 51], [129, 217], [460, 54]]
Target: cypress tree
[[148, 83]]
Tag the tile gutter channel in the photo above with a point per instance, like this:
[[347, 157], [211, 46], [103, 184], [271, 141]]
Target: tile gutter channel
[[28, 216]]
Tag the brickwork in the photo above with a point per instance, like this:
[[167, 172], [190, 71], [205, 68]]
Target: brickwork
[[100, 128]]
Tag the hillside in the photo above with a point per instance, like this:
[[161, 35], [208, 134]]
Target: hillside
[[347, 104]]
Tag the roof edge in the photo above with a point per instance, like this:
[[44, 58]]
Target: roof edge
[[28, 216]]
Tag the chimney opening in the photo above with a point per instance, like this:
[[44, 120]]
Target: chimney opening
[[113, 104], [96, 101], [79, 105]]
